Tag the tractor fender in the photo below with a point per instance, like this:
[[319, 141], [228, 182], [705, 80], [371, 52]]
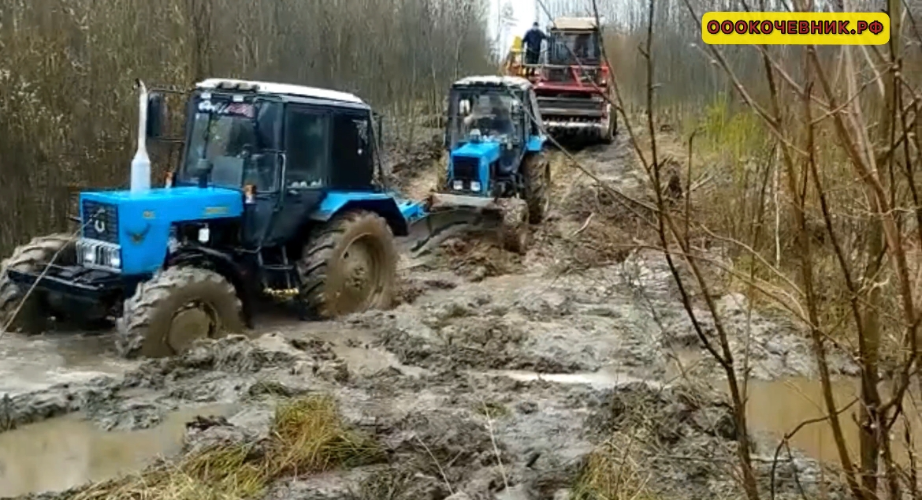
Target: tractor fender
[[383, 204], [223, 264], [535, 143]]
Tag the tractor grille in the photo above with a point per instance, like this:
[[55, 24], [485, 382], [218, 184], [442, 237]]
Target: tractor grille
[[100, 221], [99, 255], [465, 168]]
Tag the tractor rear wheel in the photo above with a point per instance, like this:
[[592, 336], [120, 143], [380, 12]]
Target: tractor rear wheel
[[537, 174], [350, 265], [31, 316], [173, 309]]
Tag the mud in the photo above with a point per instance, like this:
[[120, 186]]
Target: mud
[[497, 375]]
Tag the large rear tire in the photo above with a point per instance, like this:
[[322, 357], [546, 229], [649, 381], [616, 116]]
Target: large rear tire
[[33, 315], [350, 265], [176, 307], [537, 174]]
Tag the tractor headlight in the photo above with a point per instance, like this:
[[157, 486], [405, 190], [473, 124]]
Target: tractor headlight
[[475, 186], [89, 254], [458, 185], [99, 254]]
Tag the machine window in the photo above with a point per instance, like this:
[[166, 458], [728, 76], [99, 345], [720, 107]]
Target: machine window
[[352, 155], [308, 146]]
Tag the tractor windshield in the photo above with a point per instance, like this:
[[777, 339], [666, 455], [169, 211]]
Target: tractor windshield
[[573, 48], [488, 112], [234, 139]]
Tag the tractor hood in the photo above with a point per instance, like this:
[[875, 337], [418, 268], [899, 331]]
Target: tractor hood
[[487, 150], [139, 223]]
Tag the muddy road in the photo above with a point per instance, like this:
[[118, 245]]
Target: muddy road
[[497, 376]]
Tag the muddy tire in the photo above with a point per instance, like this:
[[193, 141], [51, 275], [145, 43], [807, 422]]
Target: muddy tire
[[537, 174], [607, 134], [350, 265], [514, 233], [174, 308], [32, 257]]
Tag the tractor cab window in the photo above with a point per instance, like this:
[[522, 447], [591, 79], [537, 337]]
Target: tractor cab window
[[571, 48], [307, 143], [353, 165], [234, 141], [492, 114]]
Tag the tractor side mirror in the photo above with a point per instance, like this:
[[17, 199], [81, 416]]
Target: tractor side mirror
[[156, 114]]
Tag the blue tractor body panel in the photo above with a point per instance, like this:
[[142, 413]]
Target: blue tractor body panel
[[143, 220], [535, 143], [483, 153]]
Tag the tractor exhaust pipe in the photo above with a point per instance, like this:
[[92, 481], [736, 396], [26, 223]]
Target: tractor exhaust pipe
[[140, 164]]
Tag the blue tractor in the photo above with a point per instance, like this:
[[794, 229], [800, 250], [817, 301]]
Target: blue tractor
[[275, 195], [496, 150]]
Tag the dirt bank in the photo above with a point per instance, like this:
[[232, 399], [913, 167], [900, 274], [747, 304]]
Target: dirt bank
[[499, 376]]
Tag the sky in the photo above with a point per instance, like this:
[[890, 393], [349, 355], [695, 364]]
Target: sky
[[524, 12]]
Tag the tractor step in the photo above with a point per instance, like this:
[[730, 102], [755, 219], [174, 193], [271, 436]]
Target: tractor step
[[278, 267]]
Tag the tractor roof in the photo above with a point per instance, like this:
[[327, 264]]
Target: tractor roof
[[280, 89], [574, 24], [494, 81]]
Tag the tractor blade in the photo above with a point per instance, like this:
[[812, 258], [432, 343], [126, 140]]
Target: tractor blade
[[437, 226]]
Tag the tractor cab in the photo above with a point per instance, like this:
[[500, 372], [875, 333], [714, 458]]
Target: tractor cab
[[573, 42], [278, 144], [491, 120], [574, 53]]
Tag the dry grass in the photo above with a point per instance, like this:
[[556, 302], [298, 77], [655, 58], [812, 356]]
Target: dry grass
[[610, 474], [307, 436], [738, 189]]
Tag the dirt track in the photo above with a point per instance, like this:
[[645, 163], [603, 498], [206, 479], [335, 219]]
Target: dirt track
[[549, 355]]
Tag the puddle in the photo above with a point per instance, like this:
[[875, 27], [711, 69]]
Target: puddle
[[775, 407], [65, 452], [605, 378], [32, 363], [779, 406]]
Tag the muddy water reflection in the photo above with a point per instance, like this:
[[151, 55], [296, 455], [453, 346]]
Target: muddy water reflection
[[779, 406], [65, 452]]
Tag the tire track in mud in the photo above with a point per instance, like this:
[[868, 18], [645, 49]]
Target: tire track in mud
[[457, 366]]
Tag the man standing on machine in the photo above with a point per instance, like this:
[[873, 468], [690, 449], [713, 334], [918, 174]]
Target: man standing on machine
[[532, 42]]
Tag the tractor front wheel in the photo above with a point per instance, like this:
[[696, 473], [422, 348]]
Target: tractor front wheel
[[537, 176], [28, 314], [176, 307], [610, 125], [514, 233], [350, 265]]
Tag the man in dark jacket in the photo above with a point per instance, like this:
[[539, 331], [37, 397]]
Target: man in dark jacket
[[532, 42]]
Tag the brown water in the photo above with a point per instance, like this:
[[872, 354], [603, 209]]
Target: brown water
[[64, 452], [779, 406], [775, 407]]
